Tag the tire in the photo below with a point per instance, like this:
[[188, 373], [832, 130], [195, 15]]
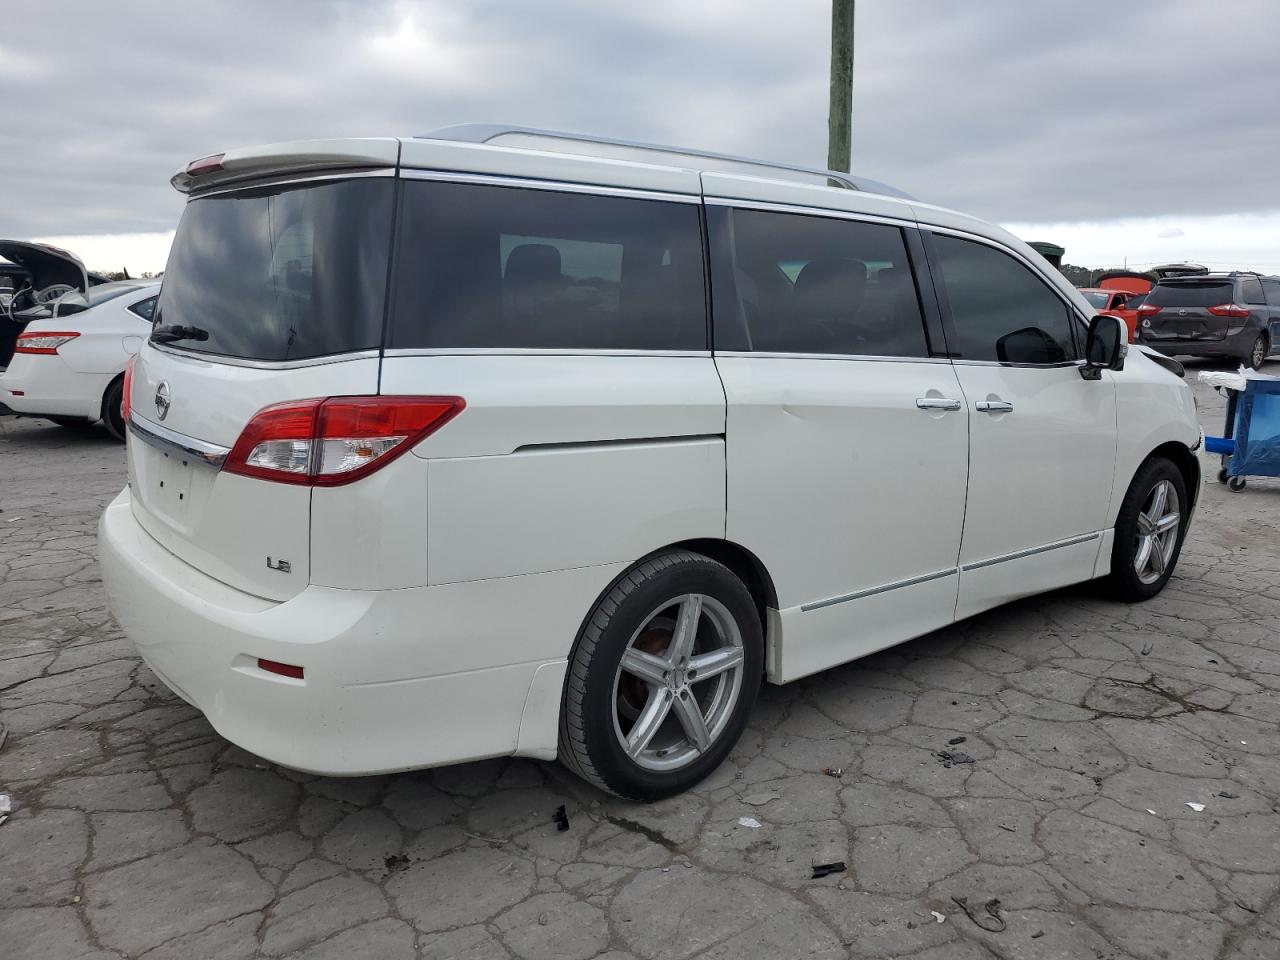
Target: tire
[[1133, 580], [604, 705], [1258, 352], [1223, 475], [112, 416], [1236, 484]]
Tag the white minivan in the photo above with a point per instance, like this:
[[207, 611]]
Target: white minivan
[[507, 442]]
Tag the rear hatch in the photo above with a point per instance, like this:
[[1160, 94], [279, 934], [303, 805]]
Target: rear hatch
[[272, 293], [1199, 309], [48, 273]]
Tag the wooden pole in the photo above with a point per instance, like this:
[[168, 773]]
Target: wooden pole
[[840, 117]]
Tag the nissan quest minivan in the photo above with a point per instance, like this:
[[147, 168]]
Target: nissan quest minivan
[[505, 442]]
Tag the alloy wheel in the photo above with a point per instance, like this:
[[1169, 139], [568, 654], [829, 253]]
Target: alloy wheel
[[678, 682], [1158, 524]]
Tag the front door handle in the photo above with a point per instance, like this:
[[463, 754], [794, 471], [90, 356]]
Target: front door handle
[[937, 403], [993, 406]]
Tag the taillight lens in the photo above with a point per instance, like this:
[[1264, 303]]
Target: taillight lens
[[42, 342], [329, 442], [210, 164], [1230, 310], [1147, 310], [126, 406]]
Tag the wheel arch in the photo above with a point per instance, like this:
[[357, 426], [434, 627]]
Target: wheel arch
[[102, 404], [1185, 460]]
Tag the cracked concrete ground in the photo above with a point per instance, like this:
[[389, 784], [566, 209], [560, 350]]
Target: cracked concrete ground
[[138, 832]]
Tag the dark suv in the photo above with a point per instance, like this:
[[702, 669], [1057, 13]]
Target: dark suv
[[1231, 315]]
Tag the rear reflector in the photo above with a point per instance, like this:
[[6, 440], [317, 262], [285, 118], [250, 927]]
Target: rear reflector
[[126, 406], [42, 342], [1230, 310], [211, 164], [1146, 310], [329, 442], [284, 669]]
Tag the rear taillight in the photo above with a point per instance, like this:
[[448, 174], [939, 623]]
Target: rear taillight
[[126, 406], [1147, 310], [42, 342], [1230, 310], [328, 442]]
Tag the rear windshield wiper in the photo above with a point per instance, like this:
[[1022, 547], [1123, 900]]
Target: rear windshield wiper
[[169, 332]]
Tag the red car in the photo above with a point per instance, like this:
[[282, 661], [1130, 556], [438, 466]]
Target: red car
[[1118, 303]]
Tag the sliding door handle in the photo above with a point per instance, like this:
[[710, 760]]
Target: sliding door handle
[[937, 403], [993, 406]]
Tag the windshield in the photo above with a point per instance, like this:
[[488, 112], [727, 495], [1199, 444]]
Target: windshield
[[1096, 298], [1209, 294], [279, 273]]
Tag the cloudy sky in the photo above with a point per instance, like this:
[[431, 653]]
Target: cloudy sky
[[1146, 130]]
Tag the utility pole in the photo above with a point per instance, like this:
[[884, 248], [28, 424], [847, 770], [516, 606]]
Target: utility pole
[[841, 110]]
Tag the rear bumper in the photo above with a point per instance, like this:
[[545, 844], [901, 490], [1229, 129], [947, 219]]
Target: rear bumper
[[45, 386], [385, 685], [1236, 345]]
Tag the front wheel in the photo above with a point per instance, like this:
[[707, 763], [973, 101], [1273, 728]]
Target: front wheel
[[663, 678], [1149, 531]]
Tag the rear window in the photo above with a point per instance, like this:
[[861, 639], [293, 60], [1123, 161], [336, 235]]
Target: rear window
[[1191, 294], [492, 267], [281, 273]]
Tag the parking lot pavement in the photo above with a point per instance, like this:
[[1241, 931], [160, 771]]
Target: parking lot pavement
[[1092, 727]]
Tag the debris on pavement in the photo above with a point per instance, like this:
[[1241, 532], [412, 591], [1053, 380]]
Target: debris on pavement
[[561, 819], [833, 771], [760, 799], [1004, 826], [1228, 795], [1037, 935], [750, 822], [1146, 648], [1152, 812], [992, 922], [4, 735], [1197, 807], [395, 861], [827, 869], [954, 741], [6, 803], [950, 758], [1244, 907], [940, 917], [496, 841]]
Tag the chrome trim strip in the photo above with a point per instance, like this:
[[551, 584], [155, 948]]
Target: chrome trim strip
[[884, 588], [251, 182], [832, 212], [171, 441], [571, 445], [1020, 554], [1063, 364], [535, 352], [370, 354], [774, 355], [560, 186]]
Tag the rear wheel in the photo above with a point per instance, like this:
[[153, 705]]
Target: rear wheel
[[1149, 531], [663, 678], [1258, 353], [112, 414]]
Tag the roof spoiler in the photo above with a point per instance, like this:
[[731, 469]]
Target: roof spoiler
[[284, 159]]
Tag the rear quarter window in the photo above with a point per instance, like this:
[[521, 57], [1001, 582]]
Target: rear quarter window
[[479, 266]]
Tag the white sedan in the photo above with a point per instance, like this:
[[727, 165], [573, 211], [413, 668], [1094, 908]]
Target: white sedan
[[68, 360]]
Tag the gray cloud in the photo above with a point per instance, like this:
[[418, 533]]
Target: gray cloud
[[1010, 110]]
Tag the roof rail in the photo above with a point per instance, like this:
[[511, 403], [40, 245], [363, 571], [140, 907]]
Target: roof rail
[[487, 132]]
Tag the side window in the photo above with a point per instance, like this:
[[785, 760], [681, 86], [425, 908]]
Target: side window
[[792, 283], [1251, 291], [1272, 288], [1000, 309], [145, 308], [479, 266]]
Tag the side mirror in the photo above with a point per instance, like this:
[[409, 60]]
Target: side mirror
[[1106, 346]]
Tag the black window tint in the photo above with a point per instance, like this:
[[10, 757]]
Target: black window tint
[[1205, 293], [145, 308], [790, 283], [1000, 309], [1251, 291], [481, 266], [1272, 288], [281, 273]]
